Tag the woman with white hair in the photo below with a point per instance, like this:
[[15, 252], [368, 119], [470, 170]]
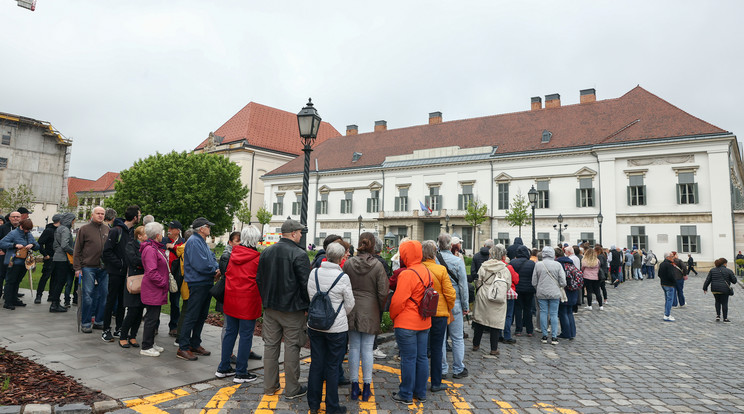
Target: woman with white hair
[[154, 290], [242, 305], [489, 311]]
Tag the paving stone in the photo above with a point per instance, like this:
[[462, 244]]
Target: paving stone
[[10, 409], [105, 406], [72, 409], [37, 409]]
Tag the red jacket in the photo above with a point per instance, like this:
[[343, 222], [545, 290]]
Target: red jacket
[[242, 299]]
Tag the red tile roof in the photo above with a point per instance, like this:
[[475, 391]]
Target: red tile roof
[[637, 115], [266, 127], [105, 183]]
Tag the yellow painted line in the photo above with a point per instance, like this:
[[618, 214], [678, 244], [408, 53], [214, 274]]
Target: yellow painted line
[[268, 403], [458, 402], [220, 398], [147, 405], [550, 408], [506, 408]]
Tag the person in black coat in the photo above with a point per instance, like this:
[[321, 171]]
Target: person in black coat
[[511, 251], [478, 258], [46, 241], [525, 291], [720, 280]]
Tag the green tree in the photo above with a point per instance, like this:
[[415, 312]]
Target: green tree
[[182, 186], [20, 196], [244, 214], [264, 217], [476, 213], [517, 214]]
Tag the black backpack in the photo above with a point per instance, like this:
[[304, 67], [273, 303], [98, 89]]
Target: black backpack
[[320, 314]]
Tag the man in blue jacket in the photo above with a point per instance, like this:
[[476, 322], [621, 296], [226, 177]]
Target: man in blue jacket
[[459, 277], [200, 269]]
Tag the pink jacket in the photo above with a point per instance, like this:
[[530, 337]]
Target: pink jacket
[[155, 282]]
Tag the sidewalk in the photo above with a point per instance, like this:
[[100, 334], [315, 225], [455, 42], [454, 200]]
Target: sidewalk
[[52, 340]]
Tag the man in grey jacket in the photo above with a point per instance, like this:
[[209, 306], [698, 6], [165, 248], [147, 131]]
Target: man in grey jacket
[[459, 277], [549, 279]]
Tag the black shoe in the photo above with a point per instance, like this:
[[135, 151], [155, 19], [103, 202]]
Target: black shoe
[[226, 373], [37, 301], [67, 304], [437, 388], [343, 381], [726, 320], [501, 339], [254, 356], [106, 336], [248, 377], [420, 399], [461, 374], [544, 339], [510, 341], [99, 327], [401, 400], [117, 333], [57, 308], [300, 393], [11, 307], [20, 295], [19, 303]]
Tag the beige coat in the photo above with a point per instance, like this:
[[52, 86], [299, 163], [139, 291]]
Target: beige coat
[[485, 312]]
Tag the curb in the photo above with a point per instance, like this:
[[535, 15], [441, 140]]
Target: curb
[[97, 407]]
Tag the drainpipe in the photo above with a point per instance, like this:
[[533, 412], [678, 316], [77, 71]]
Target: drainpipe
[[250, 194], [383, 208], [599, 188], [317, 196], [490, 218]]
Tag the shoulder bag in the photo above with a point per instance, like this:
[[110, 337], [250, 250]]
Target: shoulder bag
[[134, 284]]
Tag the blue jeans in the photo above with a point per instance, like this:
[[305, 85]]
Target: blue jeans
[[509, 318], [669, 295], [458, 343], [650, 272], [566, 315], [196, 314], [360, 347], [617, 274], [326, 352], [436, 336], [679, 298], [549, 307], [94, 296], [414, 370], [235, 326], [637, 273]]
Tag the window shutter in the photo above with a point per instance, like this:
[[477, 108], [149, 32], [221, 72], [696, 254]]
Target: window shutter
[[592, 203], [698, 247], [343, 207], [679, 243], [645, 242], [643, 199], [427, 201], [627, 193], [578, 197], [695, 192], [630, 242], [369, 205], [460, 202], [679, 200], [317, 206]]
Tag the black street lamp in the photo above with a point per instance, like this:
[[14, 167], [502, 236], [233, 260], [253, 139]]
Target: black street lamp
[[446, 220], [560, 227], [600, 218], [360, 227], [532, 195], [308, 122]]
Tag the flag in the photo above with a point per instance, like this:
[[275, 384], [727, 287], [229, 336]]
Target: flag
[[424, 207]]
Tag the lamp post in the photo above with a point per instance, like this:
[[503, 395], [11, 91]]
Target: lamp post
[[308, 122], [446, 220], [360, 227], [560, 227], [532, 195], [600, 218]]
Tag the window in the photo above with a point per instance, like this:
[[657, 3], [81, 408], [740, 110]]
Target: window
[[688, 241], [543, 239], [636, 190], [503, 239], [81, 215], [322, 205], [346, 203], [278, 207], [585, 193], [586, 238], [373, 202], [401, 202], [347, 237], [638, 237], [467, 237], [296, 205], [3, 163], [319, 239], [434, 200], [503, 196], [6, 139], [466, 197], [543, 199], [687, 189]]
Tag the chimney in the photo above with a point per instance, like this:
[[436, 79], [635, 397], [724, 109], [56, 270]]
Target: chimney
[[553, 101], [380, 126], [352, 130], [587, 95], [435, 118], [536, 103]]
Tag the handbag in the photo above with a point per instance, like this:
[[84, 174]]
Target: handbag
[[134, 284], [218, 290], [21, 253], [172, 284]]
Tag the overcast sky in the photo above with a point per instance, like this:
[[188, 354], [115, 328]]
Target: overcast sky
[[127, 79]]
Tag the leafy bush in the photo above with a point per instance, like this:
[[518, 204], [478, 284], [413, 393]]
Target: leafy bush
[[386, 324]]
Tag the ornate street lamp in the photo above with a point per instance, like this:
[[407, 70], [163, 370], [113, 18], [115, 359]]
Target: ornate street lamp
[[308, 122], [600, 218], [532, 195], [560, 227]]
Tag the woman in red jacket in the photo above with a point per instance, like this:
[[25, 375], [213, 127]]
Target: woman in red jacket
[[242, 305]]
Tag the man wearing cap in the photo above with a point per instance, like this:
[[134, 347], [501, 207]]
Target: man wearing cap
[[200, 269], [46, 241], [282, 282], [88, 265], [172, 242], [14, 219]]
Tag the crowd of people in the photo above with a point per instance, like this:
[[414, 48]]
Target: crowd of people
[[127, 272]]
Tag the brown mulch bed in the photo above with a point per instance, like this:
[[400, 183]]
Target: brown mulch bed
[[23, 381]]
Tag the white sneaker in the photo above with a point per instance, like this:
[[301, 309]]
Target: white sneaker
[[175, 343], [601, 308], [150, 352], [588, 307], [669, 318], [158, 348], [378, 354]]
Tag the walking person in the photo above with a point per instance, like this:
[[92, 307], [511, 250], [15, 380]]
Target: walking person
[[17, 245], [667, 278], [62, 272], [720, 279], [690, 264], [549, 279], [590, 266], [155, 284], [327, 347], [524, 266], [133, 301], [489, 313]]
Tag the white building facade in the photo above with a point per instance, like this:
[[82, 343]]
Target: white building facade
[[662, 179]]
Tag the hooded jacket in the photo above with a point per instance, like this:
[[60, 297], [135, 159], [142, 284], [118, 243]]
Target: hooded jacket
[[403, 310], [511, 251], [63, 243], [524, 267], [242, 299], [478, 259], [115, 248], [370, 286], [46, 240], [443, 285], [282, 276], [155, 282], [548, 276], [486, 312], [327, 274]]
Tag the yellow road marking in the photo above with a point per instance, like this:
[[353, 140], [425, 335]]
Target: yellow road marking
[[147, 405], [220, 398], [550, 408], [267, 405], [506, 408]]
